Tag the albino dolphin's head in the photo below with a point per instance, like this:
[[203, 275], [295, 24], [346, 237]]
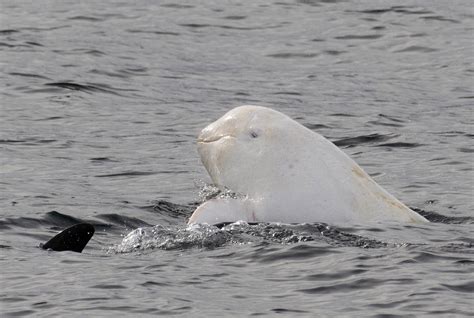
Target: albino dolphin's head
[[248, 148]]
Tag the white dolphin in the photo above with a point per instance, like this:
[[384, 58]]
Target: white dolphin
[[287, 173]]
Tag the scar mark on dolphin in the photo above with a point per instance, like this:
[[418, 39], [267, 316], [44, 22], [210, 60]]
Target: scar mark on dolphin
[[359, 172]]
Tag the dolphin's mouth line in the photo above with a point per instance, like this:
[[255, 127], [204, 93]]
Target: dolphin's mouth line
[[213, 139]]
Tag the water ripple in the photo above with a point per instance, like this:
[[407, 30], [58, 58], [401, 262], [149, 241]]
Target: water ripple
[[100, 106]]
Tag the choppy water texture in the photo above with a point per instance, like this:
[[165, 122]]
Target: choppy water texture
[[100, 105]]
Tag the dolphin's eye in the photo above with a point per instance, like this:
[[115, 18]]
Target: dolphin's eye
[[253, 134]]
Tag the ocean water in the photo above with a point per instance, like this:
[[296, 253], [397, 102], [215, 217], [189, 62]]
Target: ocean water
[[100, 106]]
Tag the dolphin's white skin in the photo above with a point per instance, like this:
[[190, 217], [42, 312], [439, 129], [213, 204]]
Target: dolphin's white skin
[[288, 174]]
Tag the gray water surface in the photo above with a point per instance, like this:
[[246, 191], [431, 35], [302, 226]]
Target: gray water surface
[[100, 106]]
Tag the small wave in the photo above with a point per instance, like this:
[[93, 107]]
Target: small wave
[[289, 311], [285, 55], [359, 37], [86, 18], [125, 221], [127, 174], [28, 75], [177, 6], [358, 284], [6, 44], [112, 286], [316, 3], [50, 118], [57, 221], [316, 126], [288, 93], [391, 118], [80, 51], [122, 73], [439, 218], [26, 44], [39, 29], [154, 32], [229, 27], [396, 9], [102, 159], [462, 288], [72, 86], [27, 141], [296, 252], [235, 17], [400, 145], [173, 209], [363, 139], [195, 25], [84, 87], [384, 120], [334, 52], [8, 31], [33, 43], [342, 115], [440, 18], [51, 219], [416, 48], [171, 213]]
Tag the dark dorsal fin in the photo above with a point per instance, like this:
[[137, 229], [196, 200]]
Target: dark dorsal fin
[[74, 238]]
